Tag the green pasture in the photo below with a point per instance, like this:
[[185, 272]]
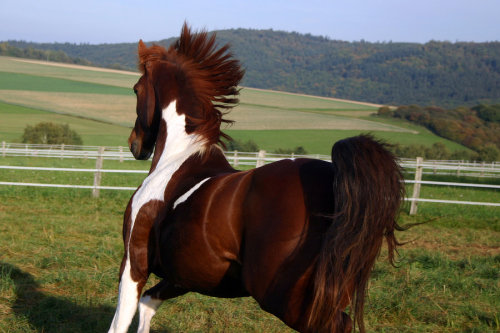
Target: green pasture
[[60, 251], [18, 81], [298, 102], [321, 141], [69, 72], [15, 118], [34, 91]]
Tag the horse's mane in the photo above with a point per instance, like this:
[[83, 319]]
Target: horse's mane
[[212, 72]]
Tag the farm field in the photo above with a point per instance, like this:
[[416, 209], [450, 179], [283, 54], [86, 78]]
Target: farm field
[[76, 94], [14, 119], [321, 141], [60, 251]]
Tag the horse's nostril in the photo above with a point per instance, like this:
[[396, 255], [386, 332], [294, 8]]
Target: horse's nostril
[[133, 146]]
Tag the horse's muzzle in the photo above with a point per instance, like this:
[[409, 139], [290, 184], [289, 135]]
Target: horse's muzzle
[[138, 151]]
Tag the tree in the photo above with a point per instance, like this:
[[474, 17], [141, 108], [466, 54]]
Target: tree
[[246, 146], [384, 111], [50, 133], [489, 153]]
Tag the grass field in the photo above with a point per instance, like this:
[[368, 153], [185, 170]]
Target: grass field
[[75, 95], [321, 141], [15, 118], [60, 251]]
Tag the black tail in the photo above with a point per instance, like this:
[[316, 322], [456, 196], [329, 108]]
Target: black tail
[[368, 191]]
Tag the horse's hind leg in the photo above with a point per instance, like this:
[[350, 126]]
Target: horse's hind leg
[[128, 298], [152, 299]]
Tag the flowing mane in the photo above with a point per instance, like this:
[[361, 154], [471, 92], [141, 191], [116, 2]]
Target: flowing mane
[[212, 75]]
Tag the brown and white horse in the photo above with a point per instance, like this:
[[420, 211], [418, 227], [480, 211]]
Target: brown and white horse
[[300, 236]]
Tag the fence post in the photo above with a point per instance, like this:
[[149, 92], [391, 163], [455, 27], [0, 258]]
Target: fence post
[[261, 158], [121, 154], [416, 186], [3, 149], [62, 150], [98, 174], [235, 159]]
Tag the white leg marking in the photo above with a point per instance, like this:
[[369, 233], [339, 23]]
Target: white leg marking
[[147, 309], [186, 195], [127, 302], [178, 147]]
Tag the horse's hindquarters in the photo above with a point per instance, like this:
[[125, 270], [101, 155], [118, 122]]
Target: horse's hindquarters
[[285, 213]]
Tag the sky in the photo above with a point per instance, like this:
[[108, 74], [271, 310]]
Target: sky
[[114, 21]]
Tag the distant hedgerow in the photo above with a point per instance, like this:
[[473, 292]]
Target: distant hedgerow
[[50, 133]]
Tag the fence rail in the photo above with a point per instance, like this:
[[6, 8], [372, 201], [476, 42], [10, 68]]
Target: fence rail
[[123, 154], [257, 159]]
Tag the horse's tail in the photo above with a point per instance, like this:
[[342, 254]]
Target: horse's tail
[[368, 191]]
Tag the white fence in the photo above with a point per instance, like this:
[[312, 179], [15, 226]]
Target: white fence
[[458, 168], [257, 159], [123, 154]]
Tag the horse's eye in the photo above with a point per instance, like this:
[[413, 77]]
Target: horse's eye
[[135, 91]]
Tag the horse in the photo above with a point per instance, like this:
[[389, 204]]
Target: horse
[[300, 235]]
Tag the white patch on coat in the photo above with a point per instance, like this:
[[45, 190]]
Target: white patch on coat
[[177, 149], [147, 309], [186, 195]]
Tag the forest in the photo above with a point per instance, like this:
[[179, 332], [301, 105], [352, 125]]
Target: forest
[[477, 128], [443, 74]]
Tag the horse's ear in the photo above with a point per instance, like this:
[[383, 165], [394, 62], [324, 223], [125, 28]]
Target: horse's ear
[[142, 46], [141, 50]]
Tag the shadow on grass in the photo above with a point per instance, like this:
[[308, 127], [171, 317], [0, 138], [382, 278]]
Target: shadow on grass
[[47, 313]]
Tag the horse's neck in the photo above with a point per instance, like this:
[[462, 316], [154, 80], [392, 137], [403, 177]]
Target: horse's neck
[[180, 160], [174, 145]]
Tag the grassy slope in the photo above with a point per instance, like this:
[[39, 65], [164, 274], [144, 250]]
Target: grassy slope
[[18, 81], [272, 119], [15, 118], [321, 141]]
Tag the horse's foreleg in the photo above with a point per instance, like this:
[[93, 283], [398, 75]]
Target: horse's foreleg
[[151, 301], [128, 298]]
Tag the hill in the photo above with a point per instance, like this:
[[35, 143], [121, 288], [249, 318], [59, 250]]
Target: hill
[[436, 73], [32, 91]]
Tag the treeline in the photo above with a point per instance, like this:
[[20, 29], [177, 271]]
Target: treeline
[[436, 73], [49, 55], [477, 128]]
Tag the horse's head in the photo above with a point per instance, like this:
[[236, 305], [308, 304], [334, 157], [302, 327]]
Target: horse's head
[[145, 132], [201, 78]]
